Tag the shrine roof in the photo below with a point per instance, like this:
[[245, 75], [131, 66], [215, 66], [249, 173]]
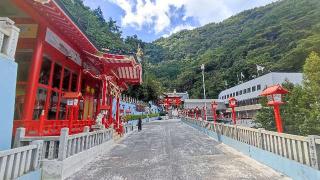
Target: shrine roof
[[276, 89], [123, 67], [53, 12]]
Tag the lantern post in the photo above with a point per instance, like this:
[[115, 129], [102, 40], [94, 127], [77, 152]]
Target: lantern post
[[214, 106], [232, 105], [197, 112], [274, 96]]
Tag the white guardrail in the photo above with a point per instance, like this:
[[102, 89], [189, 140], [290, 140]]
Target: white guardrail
[[304, 150], [19, 161], [65, 145], [30, 151]]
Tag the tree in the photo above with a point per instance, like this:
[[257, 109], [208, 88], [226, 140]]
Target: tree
[[301, 113], [265, 118], [98, 13], [311, 82]]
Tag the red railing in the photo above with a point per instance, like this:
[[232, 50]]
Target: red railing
[[51, 127]]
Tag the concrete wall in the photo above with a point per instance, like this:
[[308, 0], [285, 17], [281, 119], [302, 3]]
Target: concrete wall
[[8, 76], [126, 106], [132, 107], [34, 175], [288, 167], [57, 170]]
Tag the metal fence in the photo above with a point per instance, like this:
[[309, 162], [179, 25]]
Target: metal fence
[[302, 149], [19, 161]]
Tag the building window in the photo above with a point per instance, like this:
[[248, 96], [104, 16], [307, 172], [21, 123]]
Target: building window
[[74, 83], [66, 80], [258, 87], [54, 80], [53, 105], [233, 94], [253, 88], [23, 59], [240, 92], [237, 93], [45, 71], [56, 76], [244, 91], [248, 90], [39, 103]]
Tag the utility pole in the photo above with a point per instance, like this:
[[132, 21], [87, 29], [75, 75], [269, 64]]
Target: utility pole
[[204, 92]]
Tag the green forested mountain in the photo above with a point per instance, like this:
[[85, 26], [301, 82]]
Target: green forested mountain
[[278, 36]]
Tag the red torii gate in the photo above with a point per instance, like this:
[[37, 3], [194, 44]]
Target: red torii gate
[[171, 100]]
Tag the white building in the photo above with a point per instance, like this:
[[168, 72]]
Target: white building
[[247, 94], [200, 103]]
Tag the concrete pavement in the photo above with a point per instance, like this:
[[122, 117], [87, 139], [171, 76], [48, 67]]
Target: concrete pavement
[[173, 150]]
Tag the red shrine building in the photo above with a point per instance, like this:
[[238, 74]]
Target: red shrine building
[[63, 80]]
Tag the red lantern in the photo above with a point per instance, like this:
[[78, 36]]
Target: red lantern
[[232, 105], [214, 106], [274, 95]]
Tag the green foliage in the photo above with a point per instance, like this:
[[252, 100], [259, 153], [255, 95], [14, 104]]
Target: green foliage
[[104, 34], [142, 116], [278, 36], [311, 71], [301, 113]]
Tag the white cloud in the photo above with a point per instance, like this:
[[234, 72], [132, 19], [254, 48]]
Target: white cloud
[[179, 28], [156, 13]]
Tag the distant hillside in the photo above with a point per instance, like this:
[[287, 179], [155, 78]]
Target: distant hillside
[[278, 36]]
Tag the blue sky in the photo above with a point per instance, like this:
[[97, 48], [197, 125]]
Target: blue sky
[[152, 19]]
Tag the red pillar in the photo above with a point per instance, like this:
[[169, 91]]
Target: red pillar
[[110, 109], [34, 74], [234, 116], [278, 118], [214, 115], [41, 125], [71, 118], [117, 111], [104, 90], [79, 81]]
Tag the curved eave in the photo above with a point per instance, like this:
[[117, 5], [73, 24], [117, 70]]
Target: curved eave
[[52, 12]]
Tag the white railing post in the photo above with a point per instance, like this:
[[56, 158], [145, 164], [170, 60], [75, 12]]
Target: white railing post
[[37, 154], [260, 138], [313, 151], [20, 133], [86, 130], [63, 144], [236, 132]]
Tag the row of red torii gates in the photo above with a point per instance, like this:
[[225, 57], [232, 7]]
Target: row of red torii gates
[[273, 93]]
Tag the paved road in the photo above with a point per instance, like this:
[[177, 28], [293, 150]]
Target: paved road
[[172, 150]]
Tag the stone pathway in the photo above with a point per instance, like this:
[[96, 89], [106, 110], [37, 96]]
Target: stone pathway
[[173, 150]]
